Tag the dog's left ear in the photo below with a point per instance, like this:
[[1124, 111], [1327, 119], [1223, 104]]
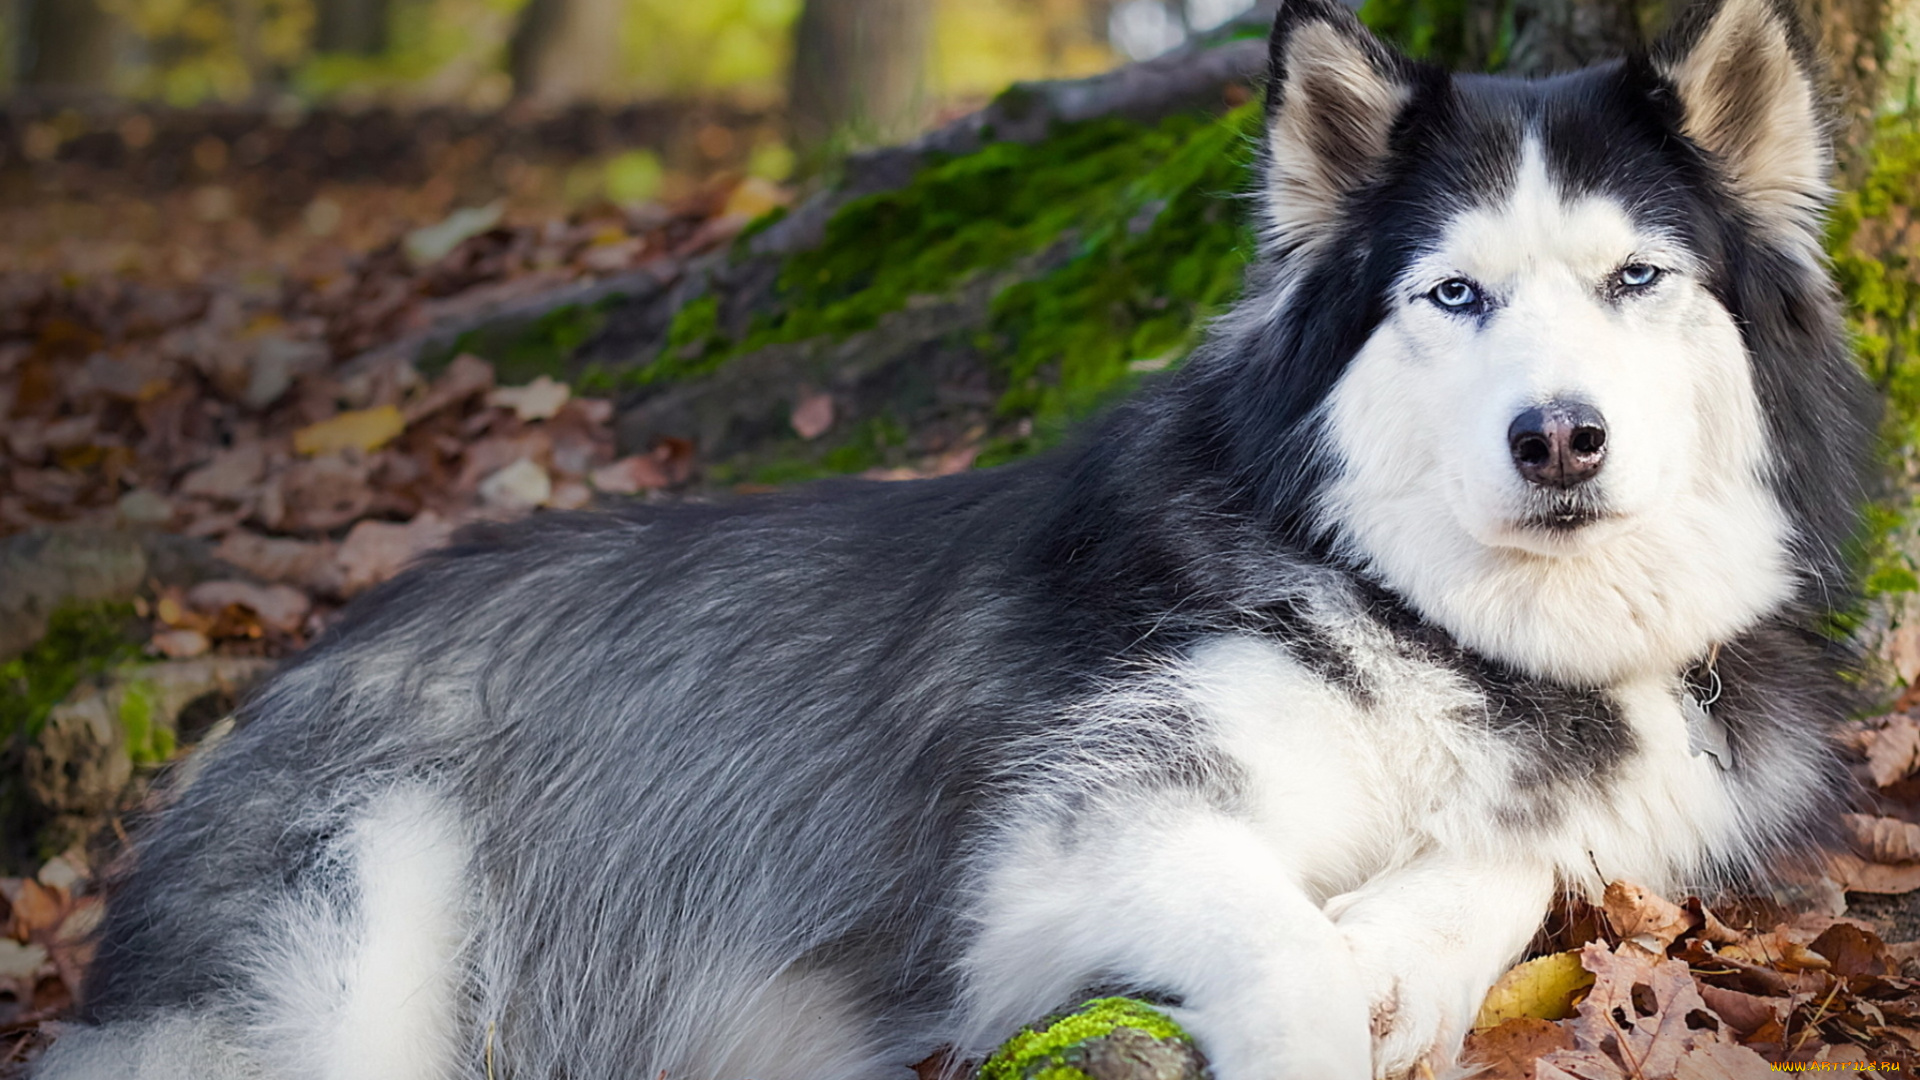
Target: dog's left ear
[[1333, 94], [1748, 96]]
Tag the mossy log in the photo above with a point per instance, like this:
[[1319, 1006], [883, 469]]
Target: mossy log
[[1104, 1039], [974, 290]]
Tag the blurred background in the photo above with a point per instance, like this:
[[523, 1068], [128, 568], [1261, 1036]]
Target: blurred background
[[156, 136]]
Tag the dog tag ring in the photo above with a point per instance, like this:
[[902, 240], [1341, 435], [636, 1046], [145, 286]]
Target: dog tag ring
[[1705, 734]]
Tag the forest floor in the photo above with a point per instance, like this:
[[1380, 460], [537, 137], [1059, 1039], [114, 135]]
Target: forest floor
[[170, 367]]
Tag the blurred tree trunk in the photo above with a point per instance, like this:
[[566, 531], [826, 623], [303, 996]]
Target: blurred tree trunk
[[1560, 35], [858, 71], [355, 27], [1862, 42], [66, 47], [565, 50], [1867, 46]]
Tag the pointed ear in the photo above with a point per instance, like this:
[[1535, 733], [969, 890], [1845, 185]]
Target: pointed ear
[[1333, 94], [1744, 76]]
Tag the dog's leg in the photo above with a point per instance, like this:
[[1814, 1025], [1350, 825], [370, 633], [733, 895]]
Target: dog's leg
[[1191, 903], [1429, 939]]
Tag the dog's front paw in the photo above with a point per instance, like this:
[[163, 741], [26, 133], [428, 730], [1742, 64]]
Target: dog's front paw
[[1417, 1017], [1300, 1029]]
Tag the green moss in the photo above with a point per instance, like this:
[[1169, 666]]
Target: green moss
[[694, 345], [867, 446], [82, 642], [1170, 251], [1458, 34], [148, 743], [1048, 1050], [1083, 194], [1117, 240], [522, 350], [1875, 248]]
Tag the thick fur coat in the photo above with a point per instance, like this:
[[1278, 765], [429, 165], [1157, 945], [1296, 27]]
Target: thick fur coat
[[1482, 552]]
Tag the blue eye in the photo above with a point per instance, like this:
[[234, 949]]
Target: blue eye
[[1637, 275], [1455, 294]]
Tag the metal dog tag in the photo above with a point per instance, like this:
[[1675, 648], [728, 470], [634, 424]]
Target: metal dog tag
[[1704, 733]]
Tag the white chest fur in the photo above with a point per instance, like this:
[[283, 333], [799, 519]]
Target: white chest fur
[[1348, 786]]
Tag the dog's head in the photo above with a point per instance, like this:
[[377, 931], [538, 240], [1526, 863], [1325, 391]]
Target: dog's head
[[1565, 353]]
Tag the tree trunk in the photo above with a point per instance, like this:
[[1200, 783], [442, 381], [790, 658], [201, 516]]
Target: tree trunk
[[1560, 35], [1868, 46], [354, 27], [858, 72], [66, 47], [565, 50]]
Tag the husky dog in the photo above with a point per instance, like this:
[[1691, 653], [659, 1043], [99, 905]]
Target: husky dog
[[1482, 552]]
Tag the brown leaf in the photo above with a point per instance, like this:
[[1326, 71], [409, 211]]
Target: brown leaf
[[305, 564], [1722, 1061], [376, 550], [1644, 1018], [37, 910], [1852, 950], [630, 475], [230, 476], [1745, 1013], [180, 644], [1640, 915], [1707, 925], [1508, 1051], [538, 400], [278, 607], [318, 495], [488, 456], [812, 416], [1776, 949], [1856, 874], [1892, 749], [1884, 839], [466, 376]]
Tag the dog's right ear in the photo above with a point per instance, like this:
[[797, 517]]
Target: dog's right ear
[[1333, 94]]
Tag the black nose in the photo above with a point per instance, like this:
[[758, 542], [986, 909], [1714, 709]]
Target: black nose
[[1559, 444]]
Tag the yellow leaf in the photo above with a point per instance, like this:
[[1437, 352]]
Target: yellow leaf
[[367, 429], [1542, 988]]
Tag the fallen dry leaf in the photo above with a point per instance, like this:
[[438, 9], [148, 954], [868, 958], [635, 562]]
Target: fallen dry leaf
[[376, 550], [1892, 749], [812, 416], [465, 376], [317, 496], [522, 485], [1884, 839], [630, 476], [363, 430], [180, 644], [540, 399], [1543, 988], [231, 474], [305, 564], [1643, 1019], [1508, 1051], [279, 607], [37, 909], [1644, 917], [1856, 874]]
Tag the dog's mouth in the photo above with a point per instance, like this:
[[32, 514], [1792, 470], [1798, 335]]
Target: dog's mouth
[[1562, 513]]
